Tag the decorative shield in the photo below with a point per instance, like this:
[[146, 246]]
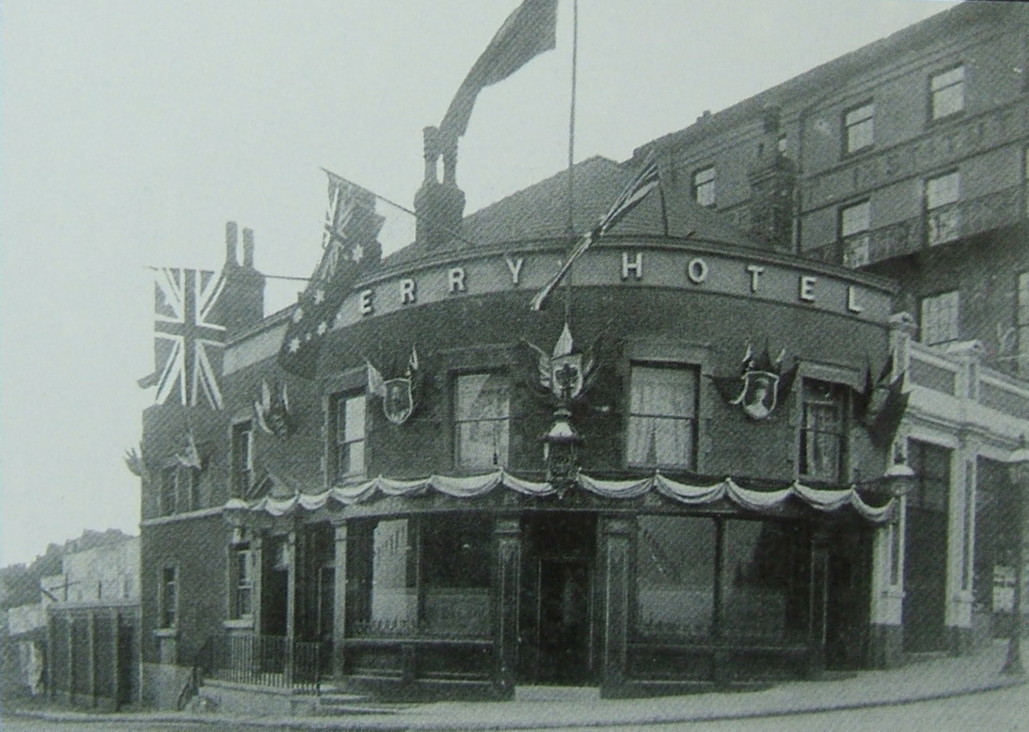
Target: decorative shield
[[566, 379], [760, 394], [397, 402]]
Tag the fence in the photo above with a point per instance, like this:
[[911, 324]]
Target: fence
[[262, 660]]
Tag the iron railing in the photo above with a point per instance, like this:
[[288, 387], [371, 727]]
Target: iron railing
[[262, 660]]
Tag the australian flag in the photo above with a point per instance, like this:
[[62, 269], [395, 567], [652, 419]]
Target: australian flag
[[349, 247]]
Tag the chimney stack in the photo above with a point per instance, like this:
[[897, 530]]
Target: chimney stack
[[230, 243], [439, 206], [773, 185], [248, 248]]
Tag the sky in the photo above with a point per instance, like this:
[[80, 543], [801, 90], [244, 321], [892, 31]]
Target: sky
[[132, 130]]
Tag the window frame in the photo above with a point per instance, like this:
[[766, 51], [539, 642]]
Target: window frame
[[242, 581], [955, 322], [693, 420], [947, 212], [337, 428], [168, 612], [860, 237], [242, 476], [933, 93], [847, 128], [503, 452], [839, 398], [707, 186]]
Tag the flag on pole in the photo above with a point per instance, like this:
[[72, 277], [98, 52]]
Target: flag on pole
[[348, 244], [529, 31], [188, 340], [645, 180]]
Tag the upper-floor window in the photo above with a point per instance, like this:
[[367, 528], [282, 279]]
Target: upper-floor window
[[242, 457], [168, 597], [858, 128], [931, 464], [168, 491], [939, 318], [855, 222], [947, 92], [662, 416], [704, 186], [349, 412], [482, 417], [822, 430], [943, 215]]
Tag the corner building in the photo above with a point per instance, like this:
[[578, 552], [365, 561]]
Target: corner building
[[693, 545]]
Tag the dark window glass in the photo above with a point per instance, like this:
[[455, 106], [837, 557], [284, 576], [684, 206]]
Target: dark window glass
[[859, 128], [931, 464], [947, 92], [675, 573], [350, 435]]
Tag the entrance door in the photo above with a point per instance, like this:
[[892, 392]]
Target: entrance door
[[556, 623], [564, 614], [925, 581]]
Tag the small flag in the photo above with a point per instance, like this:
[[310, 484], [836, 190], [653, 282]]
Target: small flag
[[639, 187], [529, 31], [376, 384], [349, 244]]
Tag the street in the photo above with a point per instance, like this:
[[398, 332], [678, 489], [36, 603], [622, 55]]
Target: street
[[1005, 710]]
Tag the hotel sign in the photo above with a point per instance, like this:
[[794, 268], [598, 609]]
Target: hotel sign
[[610, 266]]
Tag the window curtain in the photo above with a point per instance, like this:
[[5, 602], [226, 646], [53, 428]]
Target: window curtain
[[661, 405], [483, 412]]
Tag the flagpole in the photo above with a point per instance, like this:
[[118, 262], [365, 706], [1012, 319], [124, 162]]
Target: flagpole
[[571, 151]]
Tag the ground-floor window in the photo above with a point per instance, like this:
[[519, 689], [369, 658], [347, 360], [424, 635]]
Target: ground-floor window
[[702, 579], [425, 575]]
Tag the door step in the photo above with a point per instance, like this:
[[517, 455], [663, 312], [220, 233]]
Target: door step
[[543, 693]]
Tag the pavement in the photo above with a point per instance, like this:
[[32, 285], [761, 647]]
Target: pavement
[[563, 708]]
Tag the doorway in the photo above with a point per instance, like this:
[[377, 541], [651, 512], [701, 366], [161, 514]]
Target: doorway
[[557, 640]]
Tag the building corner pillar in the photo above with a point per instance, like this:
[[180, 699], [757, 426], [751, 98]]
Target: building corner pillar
[[507, 579], [615, 548], [339, 601]]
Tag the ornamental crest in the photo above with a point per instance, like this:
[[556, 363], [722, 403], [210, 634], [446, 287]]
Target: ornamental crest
[[566, 372], [764, 384], [397, 394]]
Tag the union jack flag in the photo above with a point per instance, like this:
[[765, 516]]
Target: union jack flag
[[187, 344]]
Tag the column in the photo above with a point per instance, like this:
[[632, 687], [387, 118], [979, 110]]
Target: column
[[116, 660], [91, 655], [615, 545], [507, 580], [339, 601], [257, 557], [819, 598], [291, 603]]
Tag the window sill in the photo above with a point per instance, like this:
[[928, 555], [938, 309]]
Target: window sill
[[239, 624], [166, 633]]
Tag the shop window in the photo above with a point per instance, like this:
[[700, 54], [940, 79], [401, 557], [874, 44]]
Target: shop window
[[858, 128], [823, 431], [349, 430], [704, 186], [764, 581], [947, 92], [699, 579], [168, 597], [242, 457], [942, 212], [675, 577], [482, 416], [242, 582], [662, 417], [939, 318], [855, 222], [931, 464], [169, 491], [456, 573]]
